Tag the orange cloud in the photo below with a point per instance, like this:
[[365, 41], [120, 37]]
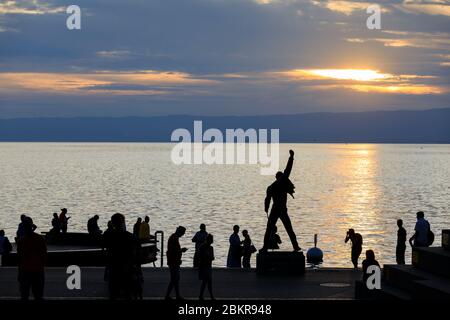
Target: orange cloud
[[28, 7], [97, 82], [362, 80]]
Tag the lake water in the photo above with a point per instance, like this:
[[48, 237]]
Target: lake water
[[362, 186]]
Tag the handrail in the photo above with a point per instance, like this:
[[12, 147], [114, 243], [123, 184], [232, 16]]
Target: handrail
[[162, 245]]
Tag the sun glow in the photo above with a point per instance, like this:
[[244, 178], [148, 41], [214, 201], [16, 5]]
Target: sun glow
[[349, 74]]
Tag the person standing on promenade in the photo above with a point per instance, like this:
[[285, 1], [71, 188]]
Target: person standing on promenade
[[144, 230], [32, 253], [198, 239], [401, 243], [206, 257], [235, 250], [5, 246], [247, 250], [56, 225], [21, 228], [137, 227], [357, 242], [277, 192], [174, 254], [63, 220], [422, 234], [121, 258]]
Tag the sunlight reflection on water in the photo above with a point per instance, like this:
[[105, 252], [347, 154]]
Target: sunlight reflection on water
[[362, 186]]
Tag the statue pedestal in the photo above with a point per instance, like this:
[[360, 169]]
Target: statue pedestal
[[280, 262]]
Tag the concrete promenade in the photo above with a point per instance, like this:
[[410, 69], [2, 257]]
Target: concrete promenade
[[322, 283]]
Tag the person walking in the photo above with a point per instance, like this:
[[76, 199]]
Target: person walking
[[206, 257]]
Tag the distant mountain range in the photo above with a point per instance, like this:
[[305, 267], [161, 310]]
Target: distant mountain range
[[428, 126]]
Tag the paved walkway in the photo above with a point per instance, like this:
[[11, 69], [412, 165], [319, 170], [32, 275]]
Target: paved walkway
[[228, 284]]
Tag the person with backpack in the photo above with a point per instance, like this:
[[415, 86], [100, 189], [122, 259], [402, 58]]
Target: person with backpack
[[277, 192], [423, 236]]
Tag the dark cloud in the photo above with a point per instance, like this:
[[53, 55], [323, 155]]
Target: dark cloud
[[208, 39]]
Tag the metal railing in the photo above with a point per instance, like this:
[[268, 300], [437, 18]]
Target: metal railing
[[162, 245]]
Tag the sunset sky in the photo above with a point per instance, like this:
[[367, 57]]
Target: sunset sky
[[221, 57]]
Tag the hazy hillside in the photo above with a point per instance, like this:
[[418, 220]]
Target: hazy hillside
[[429, 126]]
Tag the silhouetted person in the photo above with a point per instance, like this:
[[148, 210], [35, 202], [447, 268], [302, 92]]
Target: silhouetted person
[[174, 254], [106, 234], [247, 249], [144, 230], [137, 227], [5, 246], [198, 239], [357, 242], [63, 220], [274, 239], [32, 254], [109, 228], [56, 225], [206, 257], [235, 250], [93, 227], [138, 281], [422, 228], [401, 243], [122, 250], [277, 192], [20, 230], [369, 261]]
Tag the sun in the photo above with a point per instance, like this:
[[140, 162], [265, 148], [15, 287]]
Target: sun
[[349, 74]]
